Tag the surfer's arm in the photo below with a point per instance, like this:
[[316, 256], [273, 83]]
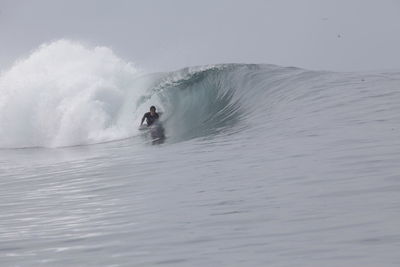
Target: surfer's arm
[[141, 123]]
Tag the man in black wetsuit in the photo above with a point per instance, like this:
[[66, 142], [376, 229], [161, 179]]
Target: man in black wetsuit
[[151, 116]]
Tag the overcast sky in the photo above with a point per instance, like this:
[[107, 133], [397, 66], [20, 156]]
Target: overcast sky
[[169, 34]]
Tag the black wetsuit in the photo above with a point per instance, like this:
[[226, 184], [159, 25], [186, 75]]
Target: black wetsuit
[[150, 119]]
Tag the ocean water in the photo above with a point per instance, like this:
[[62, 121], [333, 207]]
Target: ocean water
[[262, 165]]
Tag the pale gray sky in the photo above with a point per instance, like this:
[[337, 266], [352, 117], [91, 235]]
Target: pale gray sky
[[169, 34]]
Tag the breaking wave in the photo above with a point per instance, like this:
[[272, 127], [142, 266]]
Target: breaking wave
[[67, 94]]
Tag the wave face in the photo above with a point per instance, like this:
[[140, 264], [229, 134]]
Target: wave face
[[66, 94]]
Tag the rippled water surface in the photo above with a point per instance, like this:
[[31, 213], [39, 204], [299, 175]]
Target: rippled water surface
[[262, 166]]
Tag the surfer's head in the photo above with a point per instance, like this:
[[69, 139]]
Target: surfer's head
[[152, 110]]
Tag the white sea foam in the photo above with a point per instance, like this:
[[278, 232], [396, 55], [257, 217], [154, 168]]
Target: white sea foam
[[65, 93]]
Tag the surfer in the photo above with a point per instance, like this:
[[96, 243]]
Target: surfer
[[150, 117], [156, 130]]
